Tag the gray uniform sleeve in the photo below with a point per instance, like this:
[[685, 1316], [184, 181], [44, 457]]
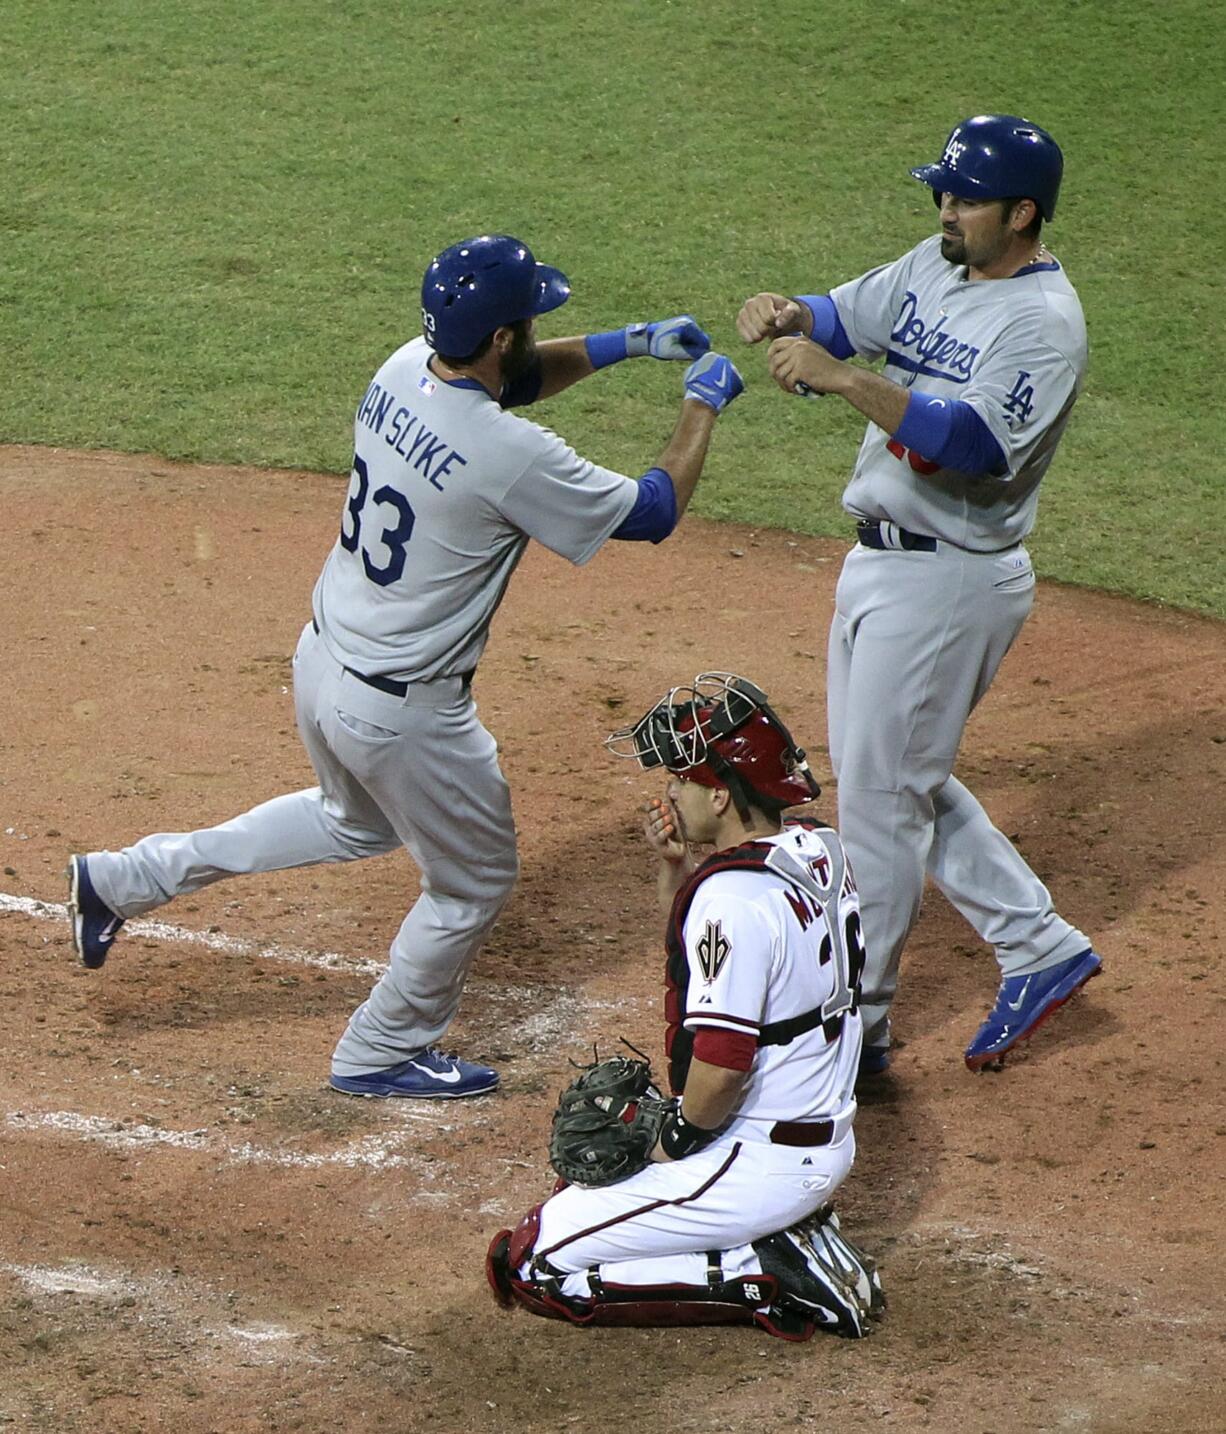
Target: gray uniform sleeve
[[1023, 385], [566, 502], [868, 306]]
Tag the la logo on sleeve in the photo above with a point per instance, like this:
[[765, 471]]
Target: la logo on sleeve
[[713, 950]]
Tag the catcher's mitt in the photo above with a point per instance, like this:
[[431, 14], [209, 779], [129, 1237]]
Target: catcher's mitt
[[607, 1122]]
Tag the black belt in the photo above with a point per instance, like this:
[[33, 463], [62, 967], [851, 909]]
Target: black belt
[[392, 685], [800, 1132], [869, 533]]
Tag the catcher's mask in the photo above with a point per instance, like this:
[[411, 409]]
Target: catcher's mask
[[720, 732]]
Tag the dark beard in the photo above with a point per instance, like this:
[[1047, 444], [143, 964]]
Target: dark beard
[[521, 356], [953, 250]]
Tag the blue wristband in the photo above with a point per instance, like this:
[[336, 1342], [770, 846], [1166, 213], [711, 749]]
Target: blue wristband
[[828, 328], [607, 348]]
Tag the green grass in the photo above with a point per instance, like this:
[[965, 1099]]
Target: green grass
[[214, 219]]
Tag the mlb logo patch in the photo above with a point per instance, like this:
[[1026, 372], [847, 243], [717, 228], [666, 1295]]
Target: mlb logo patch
[[426, 385]]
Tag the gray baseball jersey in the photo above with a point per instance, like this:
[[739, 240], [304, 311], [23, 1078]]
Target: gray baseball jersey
[[1013, 349], [917, 636], [447, 488]]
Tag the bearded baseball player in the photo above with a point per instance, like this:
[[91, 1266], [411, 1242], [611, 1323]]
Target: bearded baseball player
[[725, 1217], [448, 485], [985, 351]]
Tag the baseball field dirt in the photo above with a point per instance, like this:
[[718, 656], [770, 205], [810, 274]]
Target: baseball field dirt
[[197, 1235]]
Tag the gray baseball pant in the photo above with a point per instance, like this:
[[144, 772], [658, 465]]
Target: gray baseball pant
[[418, 771], [915, 642]]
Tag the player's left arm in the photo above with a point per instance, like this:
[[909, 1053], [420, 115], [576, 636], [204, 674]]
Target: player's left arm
[[562, 362], [712, 1094]]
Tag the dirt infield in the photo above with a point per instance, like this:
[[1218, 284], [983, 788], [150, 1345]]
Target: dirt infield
[[198, 1235]]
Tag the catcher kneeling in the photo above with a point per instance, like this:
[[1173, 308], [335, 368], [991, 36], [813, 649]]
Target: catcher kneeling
[[714, 1207]]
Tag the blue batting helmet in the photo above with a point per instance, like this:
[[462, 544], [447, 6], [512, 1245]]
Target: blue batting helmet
[[998, 157], [477, 285]]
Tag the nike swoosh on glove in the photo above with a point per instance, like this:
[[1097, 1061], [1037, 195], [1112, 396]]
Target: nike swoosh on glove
[[713, 380]]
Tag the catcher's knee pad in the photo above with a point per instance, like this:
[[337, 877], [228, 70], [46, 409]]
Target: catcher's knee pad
[[498, 1269], [815, 1283], [507, 1252], [524, 1237]]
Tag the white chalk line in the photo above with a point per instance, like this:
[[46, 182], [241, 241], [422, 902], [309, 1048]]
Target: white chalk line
[[556, 1018], [381, 1151], [210, 940], [165, 1297], [557, 1021]]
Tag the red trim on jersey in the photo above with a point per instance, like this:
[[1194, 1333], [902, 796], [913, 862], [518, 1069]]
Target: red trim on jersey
[[748, 856], [733, 1050], [645, 1209], [695, 1019]]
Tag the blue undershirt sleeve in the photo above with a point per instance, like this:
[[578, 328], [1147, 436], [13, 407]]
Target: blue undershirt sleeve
[[949, 432], [828, 328], [654, 515]]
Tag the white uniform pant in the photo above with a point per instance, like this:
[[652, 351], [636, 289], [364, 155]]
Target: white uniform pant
[[915, 643], [657, 1227], [418, 771]]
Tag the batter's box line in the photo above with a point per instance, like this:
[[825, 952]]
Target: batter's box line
[[540, 1028], [376, 1152], [210, 940], [170, 1299]]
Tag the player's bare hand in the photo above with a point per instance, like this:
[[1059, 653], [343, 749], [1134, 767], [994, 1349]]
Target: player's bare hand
[[795, 362], [664, 831], [767, 316]]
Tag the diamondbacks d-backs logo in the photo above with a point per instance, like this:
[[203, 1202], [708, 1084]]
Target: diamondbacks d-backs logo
[[712, 950]]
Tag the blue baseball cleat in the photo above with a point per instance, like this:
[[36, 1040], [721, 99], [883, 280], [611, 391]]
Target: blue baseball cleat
[[94, 924], [1023, 1003], [874, 1061], [429, 1075]]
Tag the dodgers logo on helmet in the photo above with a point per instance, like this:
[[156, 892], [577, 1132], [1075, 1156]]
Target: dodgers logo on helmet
[[480, 284], [998, 157]]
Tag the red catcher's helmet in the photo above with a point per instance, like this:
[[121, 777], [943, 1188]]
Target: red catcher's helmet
[[720, 732]]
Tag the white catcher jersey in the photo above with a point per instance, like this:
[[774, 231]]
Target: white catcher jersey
[[1013, 349], [767, 945], [446, 489]]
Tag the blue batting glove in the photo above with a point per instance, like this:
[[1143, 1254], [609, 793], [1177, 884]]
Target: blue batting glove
[[713, 380], [678, 338]]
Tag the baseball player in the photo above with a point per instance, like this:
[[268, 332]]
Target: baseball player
[[985, 351], [731, 1222], [447, 487]]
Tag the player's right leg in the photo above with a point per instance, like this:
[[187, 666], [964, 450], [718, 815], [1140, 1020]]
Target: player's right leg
[[916, 640]]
